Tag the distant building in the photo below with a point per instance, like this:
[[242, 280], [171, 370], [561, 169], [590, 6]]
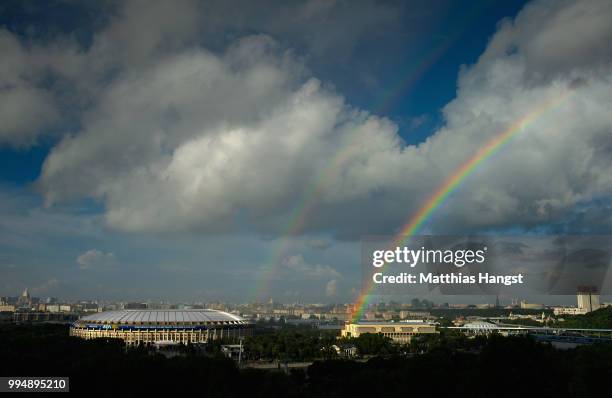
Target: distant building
[[399, 332], [588, 300], [24, 300], [341, 316], [348, 351], [8, 300], [569, 311], [531, 306], [52, 307], [387, 316], [33, 317], [404, 314], [135, 306], [89, 307], [370, 315]]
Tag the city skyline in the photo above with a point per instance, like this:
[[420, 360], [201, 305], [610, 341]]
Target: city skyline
[[431, 301]]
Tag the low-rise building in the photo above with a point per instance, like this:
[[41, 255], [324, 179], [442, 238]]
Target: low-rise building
[[37, 316], [345, 351], [388, 315], [370, 315], [531, 306], [569, 311], [399, 332], [404, 314]]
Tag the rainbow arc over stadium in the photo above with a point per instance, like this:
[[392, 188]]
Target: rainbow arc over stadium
[[442, 193]]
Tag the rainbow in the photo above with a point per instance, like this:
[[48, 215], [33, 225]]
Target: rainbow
[[298, 218], [311, 197], [441, 194]]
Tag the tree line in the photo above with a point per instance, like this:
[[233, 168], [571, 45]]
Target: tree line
[[450, 364]]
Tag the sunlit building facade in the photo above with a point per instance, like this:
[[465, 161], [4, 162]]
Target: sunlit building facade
[[399, 332]]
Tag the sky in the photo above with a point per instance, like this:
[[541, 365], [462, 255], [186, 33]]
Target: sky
[[214, 150]]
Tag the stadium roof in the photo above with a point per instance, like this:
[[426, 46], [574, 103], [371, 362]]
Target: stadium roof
[[480, 325], [159, 316]]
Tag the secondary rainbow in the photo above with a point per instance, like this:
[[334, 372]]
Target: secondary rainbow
[[412, 226], [298, 218], [312, 194]]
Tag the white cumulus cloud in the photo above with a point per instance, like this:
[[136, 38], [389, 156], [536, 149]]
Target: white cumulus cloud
[[215, 141], [331, 288], [297, 267], [95, 258]]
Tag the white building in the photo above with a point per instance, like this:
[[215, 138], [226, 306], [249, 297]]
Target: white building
[[588, 301], [531, 306], [399, 332], [569, 311]]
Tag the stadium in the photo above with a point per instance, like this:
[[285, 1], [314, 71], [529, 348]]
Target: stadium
[[162, 326]]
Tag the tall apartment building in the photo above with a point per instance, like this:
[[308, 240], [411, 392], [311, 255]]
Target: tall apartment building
[[588, 300]]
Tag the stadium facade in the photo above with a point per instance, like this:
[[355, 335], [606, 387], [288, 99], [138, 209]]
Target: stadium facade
[[162, 326]]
